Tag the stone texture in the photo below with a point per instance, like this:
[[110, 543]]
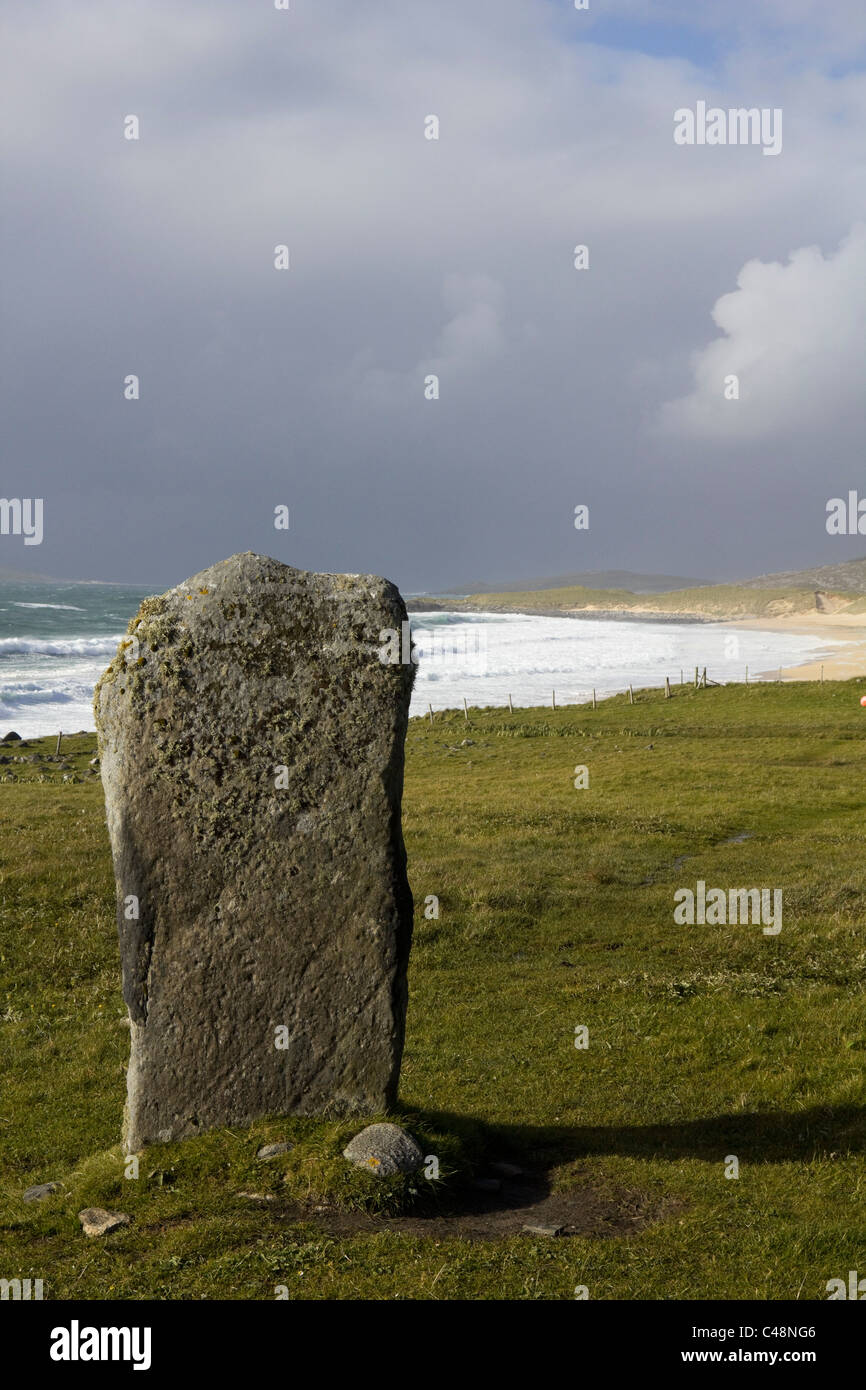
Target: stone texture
[[259, 907], [39, 1191], [384, 1149], [96, 1221], [273, 1151]]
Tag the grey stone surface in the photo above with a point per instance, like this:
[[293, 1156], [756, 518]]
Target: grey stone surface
[[384, 1149], [273, 1151], [96, 1221], [39, 1191], [259, 906]]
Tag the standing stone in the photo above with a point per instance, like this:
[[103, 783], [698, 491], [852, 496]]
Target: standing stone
[[251, 744]]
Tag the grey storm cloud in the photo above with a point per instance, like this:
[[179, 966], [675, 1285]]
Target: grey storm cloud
[[412, 257]]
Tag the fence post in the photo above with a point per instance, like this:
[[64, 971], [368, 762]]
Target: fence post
[[59, 738], [593, 697], [667, 687], [430, 712], [630, 695], [465, 710], [554, 699]]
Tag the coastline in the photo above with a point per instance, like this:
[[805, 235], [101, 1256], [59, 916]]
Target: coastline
[[840, 662], [607, 615], [48, 667]]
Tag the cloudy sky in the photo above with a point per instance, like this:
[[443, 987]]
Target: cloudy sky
[[411, 257]]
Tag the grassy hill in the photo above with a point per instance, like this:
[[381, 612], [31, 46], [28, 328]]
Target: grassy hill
[[555, 912], [847, 577], [716, 602], [843, 588], [590, 579]]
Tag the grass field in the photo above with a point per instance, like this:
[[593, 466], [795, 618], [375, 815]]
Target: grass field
[[555, 910]]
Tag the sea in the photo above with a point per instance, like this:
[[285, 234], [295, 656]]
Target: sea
[[57, 638]]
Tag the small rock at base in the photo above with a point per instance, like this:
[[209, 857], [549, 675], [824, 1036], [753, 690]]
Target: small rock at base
[[271, 1150], [96, 1221], [543, 1230], [384, 1149], [40, 1190]]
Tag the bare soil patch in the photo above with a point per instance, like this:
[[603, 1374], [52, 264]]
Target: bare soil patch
[[521, 1202]]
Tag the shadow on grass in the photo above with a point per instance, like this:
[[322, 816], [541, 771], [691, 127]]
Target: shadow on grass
[[754, 1136], [505, 1186]]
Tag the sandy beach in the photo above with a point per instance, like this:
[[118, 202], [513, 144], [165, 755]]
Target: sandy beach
[[840, 662]]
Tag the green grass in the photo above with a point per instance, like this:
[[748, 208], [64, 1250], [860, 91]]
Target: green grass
[[555, 910]]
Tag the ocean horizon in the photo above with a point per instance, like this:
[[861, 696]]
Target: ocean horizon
[[57, 639]]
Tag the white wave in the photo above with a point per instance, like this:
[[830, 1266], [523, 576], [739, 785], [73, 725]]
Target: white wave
[[527, 657], [40, 720], [449, 618], [483, 658], [60, 646], [71, 607], [13, 698]]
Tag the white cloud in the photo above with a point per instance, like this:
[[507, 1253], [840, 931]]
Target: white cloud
[[793, 335]]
